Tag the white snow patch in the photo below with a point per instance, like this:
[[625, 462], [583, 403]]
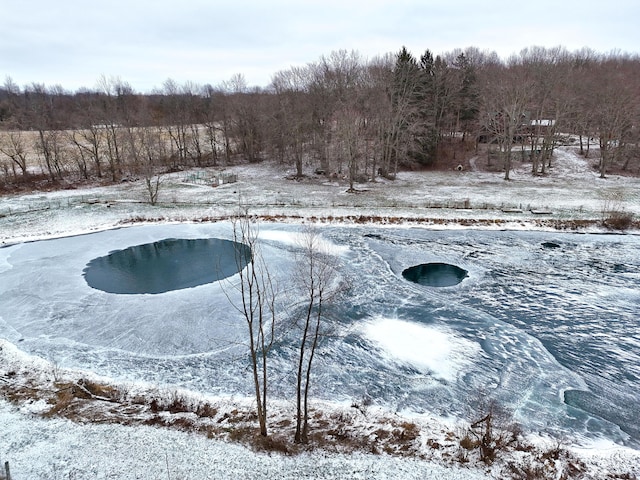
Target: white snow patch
[[425, 347]]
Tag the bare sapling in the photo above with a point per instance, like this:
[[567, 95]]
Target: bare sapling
[[315, 278], [256, 305]]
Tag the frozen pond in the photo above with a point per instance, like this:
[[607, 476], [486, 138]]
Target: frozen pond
[[546, 323]]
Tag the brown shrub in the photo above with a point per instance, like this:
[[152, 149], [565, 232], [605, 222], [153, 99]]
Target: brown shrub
[[206, 410], [183, 423], [469, 443], [382, 434], [178, 405], [64, 397], [433, 444], [273, 443], [242, 434], [155, 421], [99, 390], [284, 423], [407, 432], [620, 220]]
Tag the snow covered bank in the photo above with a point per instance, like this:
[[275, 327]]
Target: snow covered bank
[[570, 194], [40, 445]]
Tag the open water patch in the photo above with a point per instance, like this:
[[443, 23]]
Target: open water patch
[[166, 265], [435, 274]]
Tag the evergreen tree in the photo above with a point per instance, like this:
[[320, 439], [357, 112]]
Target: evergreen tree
[[403, 95], [468, 95], [425, 128]]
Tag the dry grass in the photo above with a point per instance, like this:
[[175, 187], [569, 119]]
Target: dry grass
[[620, 221], [90, 401], [547, 223], [556, 462]]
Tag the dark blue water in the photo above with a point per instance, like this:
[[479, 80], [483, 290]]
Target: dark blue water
[[166, 265], [435, 274]]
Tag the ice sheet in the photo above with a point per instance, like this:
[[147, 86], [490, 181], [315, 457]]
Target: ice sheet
[[523, 328]]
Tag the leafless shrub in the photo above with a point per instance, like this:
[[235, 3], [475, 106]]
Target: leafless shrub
[[494, 432], [206, 410], [155, 421], [469, 443], [621, 476], [56, 370], [241, 434], [406, 432], [179, 404], [183, 423], [273, 443], [363, 405], [614, 215], [618, 220], [555, 462], [61, 401]]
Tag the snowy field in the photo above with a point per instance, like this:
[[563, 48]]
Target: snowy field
[[571, 191], [550, 331]]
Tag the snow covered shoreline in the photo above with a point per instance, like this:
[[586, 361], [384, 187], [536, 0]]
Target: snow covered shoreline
[[39, 444]]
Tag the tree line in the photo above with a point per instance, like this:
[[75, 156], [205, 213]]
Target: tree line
[[342, 114]]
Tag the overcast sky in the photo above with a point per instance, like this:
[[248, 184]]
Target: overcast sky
[[73, 43]]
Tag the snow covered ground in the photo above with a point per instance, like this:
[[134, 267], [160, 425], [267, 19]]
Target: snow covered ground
[[58, 448], [571, 191]]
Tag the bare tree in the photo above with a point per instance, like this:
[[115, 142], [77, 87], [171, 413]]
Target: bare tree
[[79, 154], [316, 280], [377, 77], [334, 85], [492, 430], [13, 145], [256, 305], [549, 73], [402, 92], [349, 136], [293, 120], [89, 144], [147, 151], [42, 115], [153, 181], [49, 145], [322, 106], [245, 116], [220, 121], [504, 105], [175, 121], [613, 121], [115, 115]]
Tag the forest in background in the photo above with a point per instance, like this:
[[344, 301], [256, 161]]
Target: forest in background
[[341, 115]]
